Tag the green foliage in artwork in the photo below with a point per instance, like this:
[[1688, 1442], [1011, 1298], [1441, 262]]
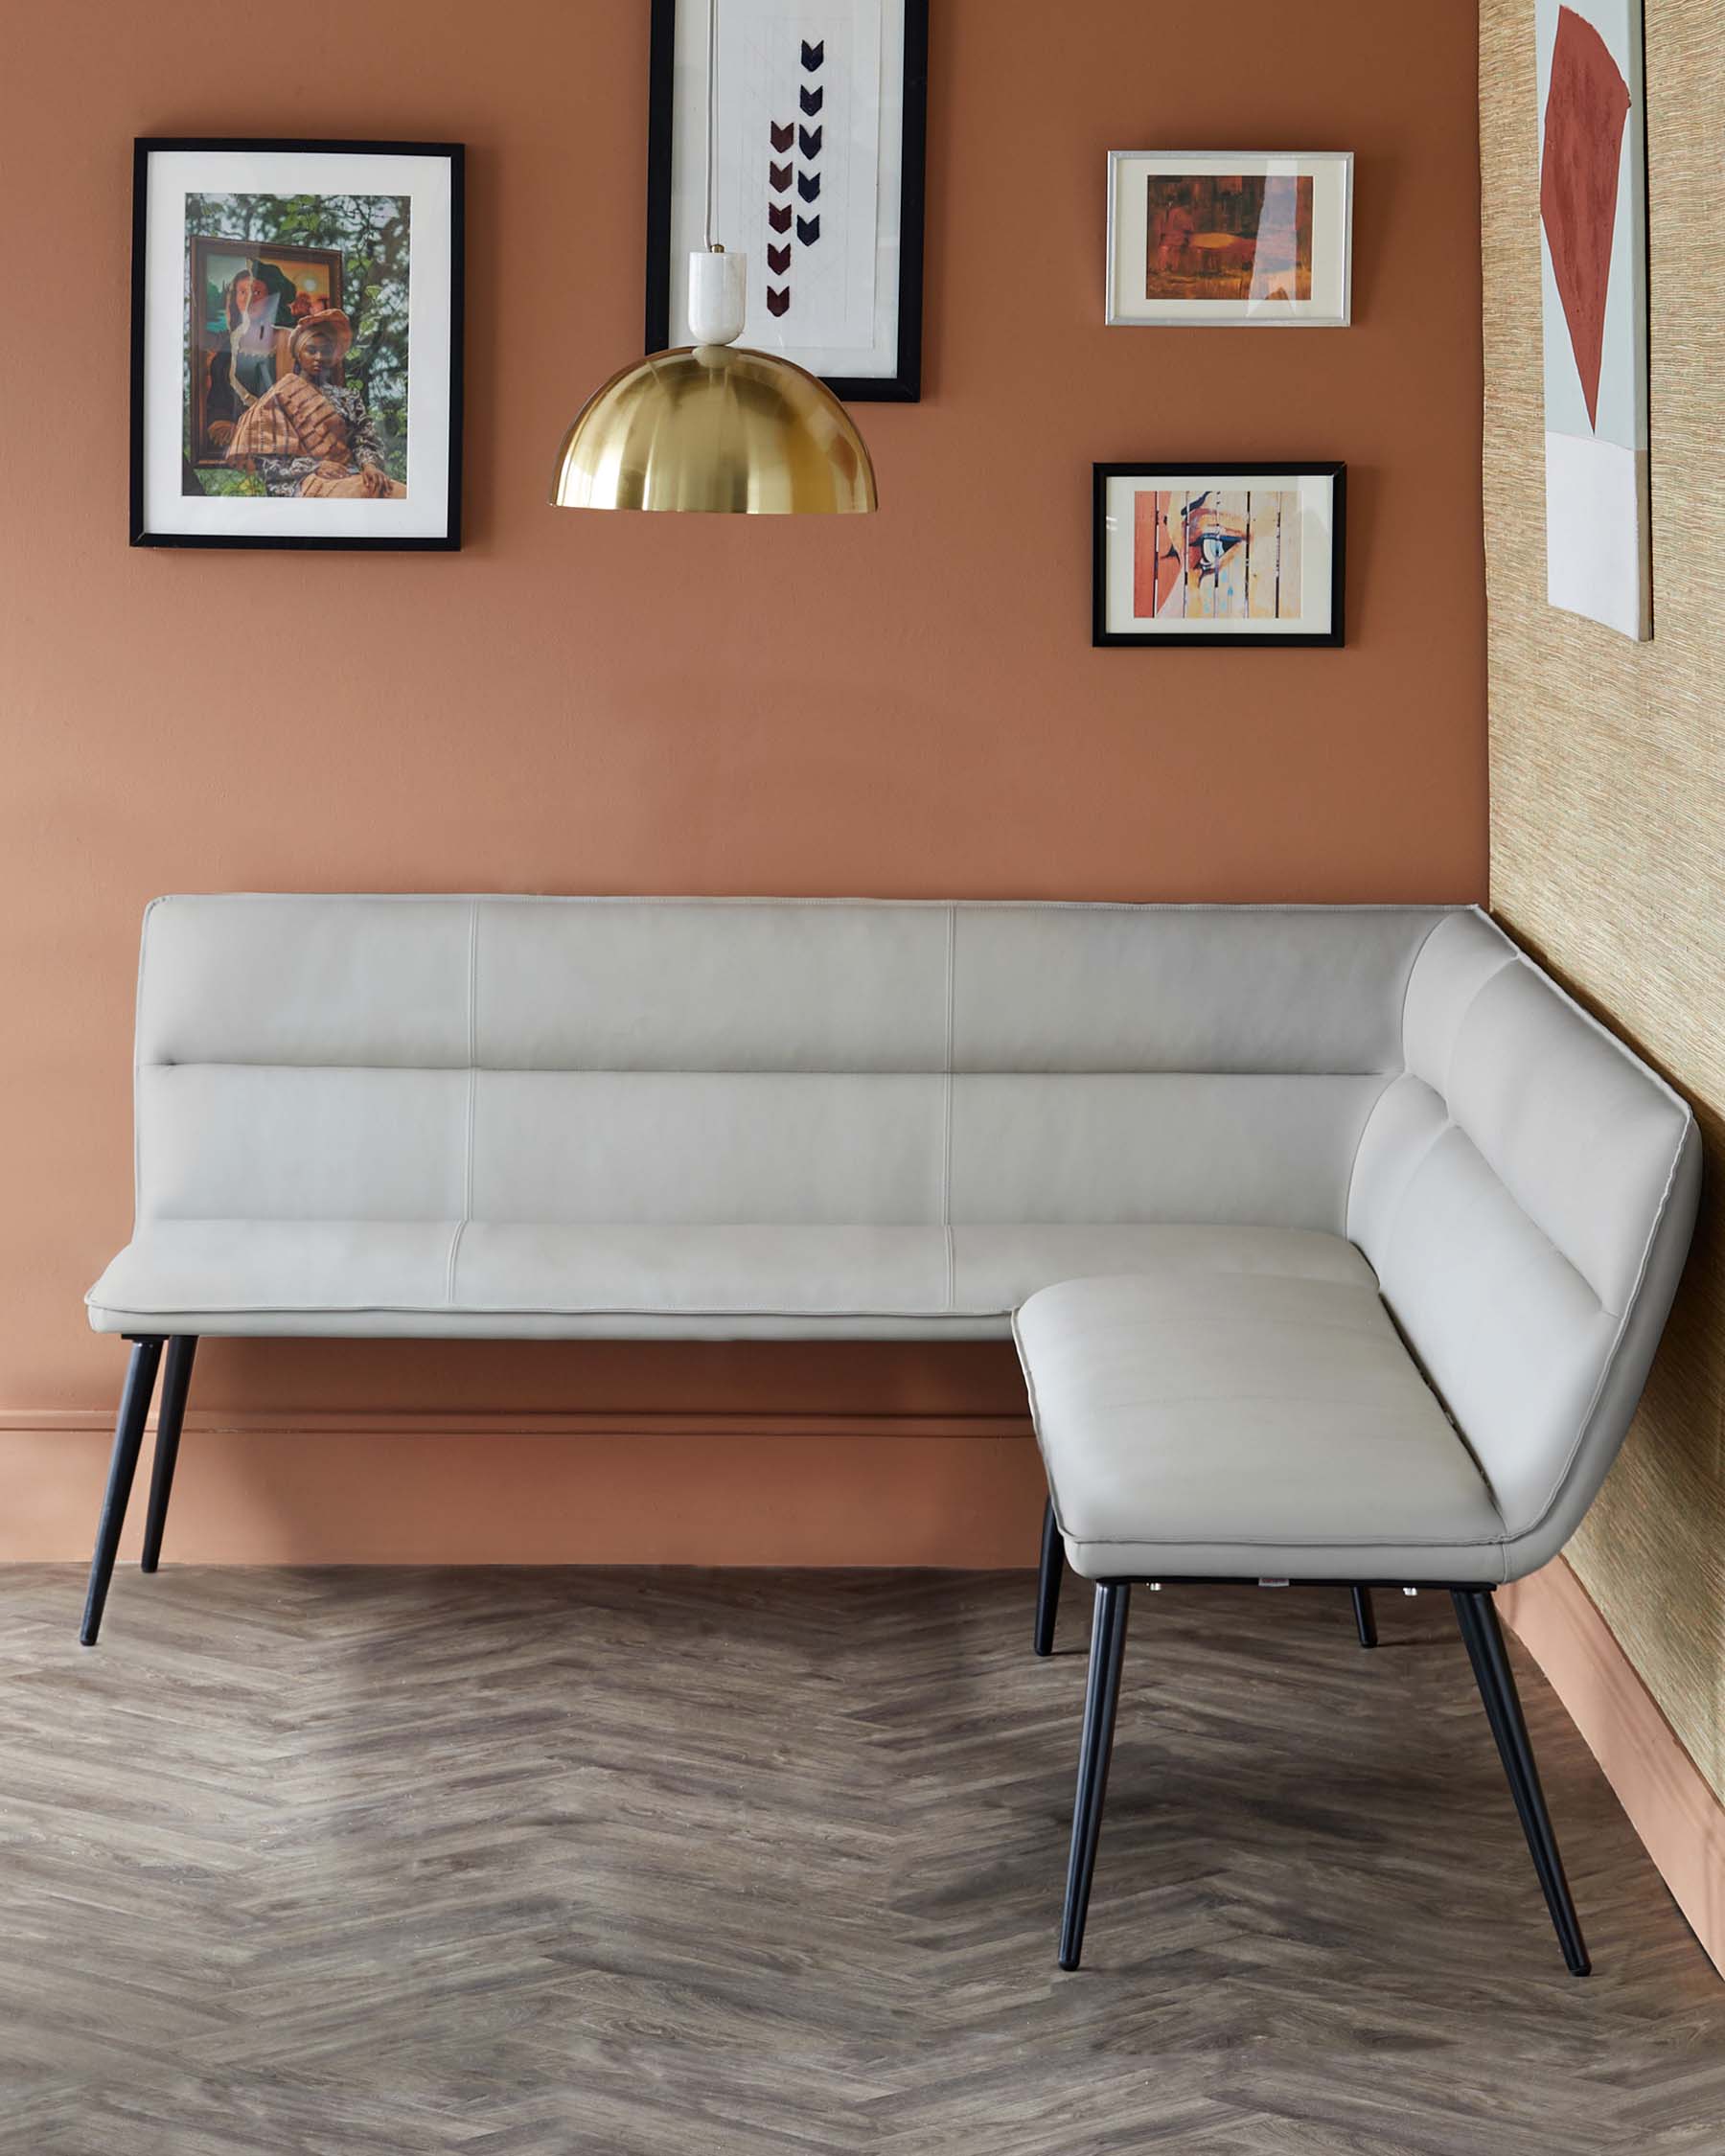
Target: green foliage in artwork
[[213, 480], [371, 232]]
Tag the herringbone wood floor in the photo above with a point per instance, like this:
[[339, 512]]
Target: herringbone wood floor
[[517, 1864]]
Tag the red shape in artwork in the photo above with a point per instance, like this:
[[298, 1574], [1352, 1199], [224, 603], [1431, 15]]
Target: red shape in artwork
[[1586, 108]]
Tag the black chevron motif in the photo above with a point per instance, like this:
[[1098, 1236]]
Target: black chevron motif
[[809, 139], [813, 100], [778, 259], [777, 301], [780, 177], [782, 137], [812, 55], [808, 185], [778, 216], [808, 230]]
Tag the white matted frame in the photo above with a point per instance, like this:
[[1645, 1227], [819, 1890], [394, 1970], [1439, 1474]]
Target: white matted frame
[[1223, 600], [429, 175], [1265, 304]]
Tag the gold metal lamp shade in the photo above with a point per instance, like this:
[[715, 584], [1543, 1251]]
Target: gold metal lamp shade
[[714, 428], [716, 425]]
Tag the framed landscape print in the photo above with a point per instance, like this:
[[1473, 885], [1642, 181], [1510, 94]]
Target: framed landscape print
[[1256, 237], [296, 344], [1219, 553], [821, 112]]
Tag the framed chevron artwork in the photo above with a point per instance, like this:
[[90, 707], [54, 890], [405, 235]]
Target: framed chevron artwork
[[817, 163]]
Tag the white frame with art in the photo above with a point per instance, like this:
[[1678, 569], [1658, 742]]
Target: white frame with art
[[1129, 300]]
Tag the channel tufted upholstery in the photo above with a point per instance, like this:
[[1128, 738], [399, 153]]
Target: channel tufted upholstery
[[664, 1116], [768, 1117], [1523, 1190]]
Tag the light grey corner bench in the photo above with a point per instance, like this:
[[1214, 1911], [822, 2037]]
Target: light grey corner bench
[[1339, 1240]]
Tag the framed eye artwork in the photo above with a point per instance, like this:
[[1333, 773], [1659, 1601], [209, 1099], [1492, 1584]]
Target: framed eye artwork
[[1226, 554]]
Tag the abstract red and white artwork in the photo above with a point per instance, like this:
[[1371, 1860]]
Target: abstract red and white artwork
[[1593, 309]]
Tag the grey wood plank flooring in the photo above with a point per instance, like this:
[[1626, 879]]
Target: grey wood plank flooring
[[519, 1863]]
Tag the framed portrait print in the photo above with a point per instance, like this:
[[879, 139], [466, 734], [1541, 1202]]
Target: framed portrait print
[[820, 118], [1229, 237], [1219, 554], [296, 344]]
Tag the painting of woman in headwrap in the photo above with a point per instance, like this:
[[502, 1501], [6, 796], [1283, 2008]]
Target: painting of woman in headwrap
[[308, 434], [296, 333], [251, 349], [245, 301]]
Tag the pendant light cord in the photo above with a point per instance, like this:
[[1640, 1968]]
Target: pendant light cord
[[712, 122]]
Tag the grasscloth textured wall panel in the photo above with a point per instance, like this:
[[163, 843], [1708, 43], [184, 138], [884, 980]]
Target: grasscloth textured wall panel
[[1608, 799]]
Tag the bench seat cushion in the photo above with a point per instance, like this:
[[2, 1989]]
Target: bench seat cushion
[[552, 1279], [1248, 1426]]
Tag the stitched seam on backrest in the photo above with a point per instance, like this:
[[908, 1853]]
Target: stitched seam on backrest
[[1462, 1436], [1597, 1025], [1393, 1226], [472, 1089], [907, 905], [1512, 957], [1393, 1079], [1622, 1333], [1442, 1092], [1519, 959], [137, 1069], [1390, 1077]]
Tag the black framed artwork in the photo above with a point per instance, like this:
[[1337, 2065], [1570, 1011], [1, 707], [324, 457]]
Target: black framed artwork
[[296, 344], [821, 118], [1228, 553]]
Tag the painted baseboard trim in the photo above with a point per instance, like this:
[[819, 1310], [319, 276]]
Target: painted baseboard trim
[[488, 1422], [1680, 1821], [600, 1487]]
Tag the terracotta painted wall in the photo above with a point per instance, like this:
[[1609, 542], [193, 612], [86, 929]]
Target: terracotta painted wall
[[907, 706]]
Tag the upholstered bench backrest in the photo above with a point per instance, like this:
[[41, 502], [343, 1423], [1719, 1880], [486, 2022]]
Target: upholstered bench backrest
[[761, 1060], [1525, 1191], [1522, 1184]]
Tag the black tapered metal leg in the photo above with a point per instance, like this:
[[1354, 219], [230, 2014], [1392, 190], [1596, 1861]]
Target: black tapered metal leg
[[1101, 1698], [128, 1437], [1496, 1680], [1047, 1581], [1364, 1616], [176, 1377]]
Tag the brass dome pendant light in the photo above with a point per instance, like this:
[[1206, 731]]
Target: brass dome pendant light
[[714, 426]]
